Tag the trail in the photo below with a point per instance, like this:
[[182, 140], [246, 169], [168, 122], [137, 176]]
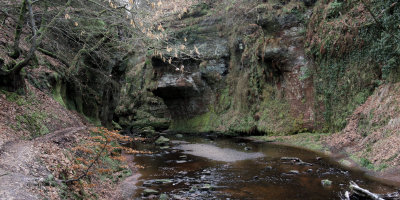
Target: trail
[[127, 188], [21, 166]]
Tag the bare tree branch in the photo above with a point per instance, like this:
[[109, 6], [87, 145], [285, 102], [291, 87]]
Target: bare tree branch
[[85, 49]]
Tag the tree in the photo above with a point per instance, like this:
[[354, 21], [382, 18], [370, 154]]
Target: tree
[[93, 29], [10, 75]]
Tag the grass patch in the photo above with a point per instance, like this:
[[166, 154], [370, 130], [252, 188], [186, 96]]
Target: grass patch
[[33, 122], [366, 163], [305, 140]]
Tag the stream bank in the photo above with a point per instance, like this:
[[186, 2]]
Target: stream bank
[[320, 142]]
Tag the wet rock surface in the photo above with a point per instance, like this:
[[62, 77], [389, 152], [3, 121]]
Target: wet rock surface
[[198, 168]]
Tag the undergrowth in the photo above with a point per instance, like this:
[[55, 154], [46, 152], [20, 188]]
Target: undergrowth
[[355, 47], [97, 161]]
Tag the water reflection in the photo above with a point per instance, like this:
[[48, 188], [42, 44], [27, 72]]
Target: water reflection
[[197, 168]]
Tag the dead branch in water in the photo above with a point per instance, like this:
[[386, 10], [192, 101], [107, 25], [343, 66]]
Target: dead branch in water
[[358, 192]]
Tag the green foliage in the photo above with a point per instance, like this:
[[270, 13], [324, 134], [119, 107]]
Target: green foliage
[[334, 9], [382, 167], [34, 123], [352, 59], [366, 163], [57, 90], [31, 120], [303, 140], [385, 38]]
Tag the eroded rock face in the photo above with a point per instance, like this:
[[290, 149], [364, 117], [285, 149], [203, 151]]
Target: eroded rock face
[[189, 92], [241, 77]]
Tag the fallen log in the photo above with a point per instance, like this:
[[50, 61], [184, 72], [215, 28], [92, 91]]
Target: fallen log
[[363, 192], [358, 192]]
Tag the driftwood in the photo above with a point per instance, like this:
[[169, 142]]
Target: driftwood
[[358, 192]]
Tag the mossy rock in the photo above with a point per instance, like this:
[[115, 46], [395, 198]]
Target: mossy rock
[[148, 192], [161, 141], [326, 183]]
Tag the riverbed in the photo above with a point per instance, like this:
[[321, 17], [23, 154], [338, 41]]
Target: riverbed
[[235, 168]]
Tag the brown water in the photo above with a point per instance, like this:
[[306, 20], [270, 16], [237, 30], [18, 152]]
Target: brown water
[[198, 168]]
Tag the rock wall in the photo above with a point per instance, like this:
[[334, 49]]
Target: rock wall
[[241, 73], [270, 66]]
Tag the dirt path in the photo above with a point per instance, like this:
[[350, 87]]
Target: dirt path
[[22, 165], [127, 188]]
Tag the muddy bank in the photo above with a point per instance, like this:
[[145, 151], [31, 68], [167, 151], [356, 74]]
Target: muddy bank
[[127, 188]]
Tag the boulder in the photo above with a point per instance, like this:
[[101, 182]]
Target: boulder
[[326, 183], [148, 192], [162, 141]]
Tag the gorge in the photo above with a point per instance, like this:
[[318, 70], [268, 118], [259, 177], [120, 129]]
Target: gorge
[[316, 74]]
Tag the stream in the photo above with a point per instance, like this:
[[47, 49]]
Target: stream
[[234, 168]]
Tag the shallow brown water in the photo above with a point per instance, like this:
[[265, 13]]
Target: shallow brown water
[[198, 168]]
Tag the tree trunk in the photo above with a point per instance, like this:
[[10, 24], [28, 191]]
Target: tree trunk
[[12, 80], [18, 31]]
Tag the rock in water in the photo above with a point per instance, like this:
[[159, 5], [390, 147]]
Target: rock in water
[[206, 187], [268, 168], [326, 183], [163, 197], [247, 148], [148, 192], [162, 141], [163, 181], [295, 159]]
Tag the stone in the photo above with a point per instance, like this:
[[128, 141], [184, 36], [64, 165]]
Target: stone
[[181, 161], [294, 172], [147, 183], [193, 189], [291, 159], [303, 163], [206, 172], [177, 197], [206, 187], [179, 135], [148, 130], [346, 163], [247, 148], [217, 66], [163, 181], [148, 192], [326, 183], [162, 141], [163, 197], [268, 168], [275, 52]]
